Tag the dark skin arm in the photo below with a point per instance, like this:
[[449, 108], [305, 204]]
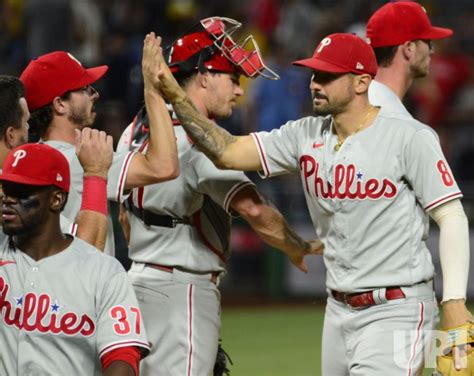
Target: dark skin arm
[[119, 368]]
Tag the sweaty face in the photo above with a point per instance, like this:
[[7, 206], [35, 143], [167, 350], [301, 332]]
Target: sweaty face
[[24, 208], [82, 106], [223, 90], [331, 92], [420, 66]]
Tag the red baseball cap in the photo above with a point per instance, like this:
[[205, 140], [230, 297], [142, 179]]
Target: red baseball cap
[[54, 74], [36, 164], [342, 53], [397, 23]]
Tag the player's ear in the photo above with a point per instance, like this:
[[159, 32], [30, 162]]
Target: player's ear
[[203, 79], [58, 199], [59, 105], [9, 137], [408, 49], [361, 83]]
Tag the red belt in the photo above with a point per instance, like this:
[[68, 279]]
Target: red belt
[[366, 298], [170, 269]]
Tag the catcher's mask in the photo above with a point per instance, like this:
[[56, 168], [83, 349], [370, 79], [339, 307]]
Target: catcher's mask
[[209, 46]]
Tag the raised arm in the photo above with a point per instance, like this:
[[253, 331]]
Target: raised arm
[[273, 229], [225, 150], [160, 161], [94, 150]]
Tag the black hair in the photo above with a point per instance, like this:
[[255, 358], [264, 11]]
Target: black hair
[[41, 118], [11, 90], [184, 78], [385, 55]]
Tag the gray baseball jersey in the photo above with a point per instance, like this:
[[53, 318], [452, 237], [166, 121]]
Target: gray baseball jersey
[[115, 184], [61, 314], [368, 200], [181, 308], [202, 193], [382, 96]]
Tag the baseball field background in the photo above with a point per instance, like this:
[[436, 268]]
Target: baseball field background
[[275, 340]]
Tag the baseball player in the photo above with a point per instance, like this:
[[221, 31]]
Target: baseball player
[[65, 308], [61, 99], [401, 35], [180, 230], [94, 152], [369, 177]]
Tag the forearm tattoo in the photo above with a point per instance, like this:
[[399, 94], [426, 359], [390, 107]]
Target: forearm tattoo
[[208, 136]]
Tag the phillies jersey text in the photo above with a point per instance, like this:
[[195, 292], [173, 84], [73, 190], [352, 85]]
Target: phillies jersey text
[[368, 201]]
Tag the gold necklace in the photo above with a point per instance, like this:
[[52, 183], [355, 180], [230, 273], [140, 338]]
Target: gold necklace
[[340, 141]]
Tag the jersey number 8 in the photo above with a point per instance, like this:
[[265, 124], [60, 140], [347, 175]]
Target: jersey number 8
[[445, 173]]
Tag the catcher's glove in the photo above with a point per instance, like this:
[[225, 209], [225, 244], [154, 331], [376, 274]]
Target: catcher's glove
[[460, 336], [220, 367]]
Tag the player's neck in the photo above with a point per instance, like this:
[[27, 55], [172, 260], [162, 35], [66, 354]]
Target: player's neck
[[357, 117], [43, 244], [60, 130], [198, 100], [396, 78]]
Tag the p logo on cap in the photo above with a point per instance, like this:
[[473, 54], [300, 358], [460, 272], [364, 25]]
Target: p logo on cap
[[325, 42], [19, 154], [36, 165], [342, 53]]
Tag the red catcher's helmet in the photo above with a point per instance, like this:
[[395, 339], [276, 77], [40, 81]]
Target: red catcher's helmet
[[209, 46]]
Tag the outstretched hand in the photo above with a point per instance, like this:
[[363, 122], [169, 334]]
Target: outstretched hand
[[313, 247], [151, 61], [156, 72]]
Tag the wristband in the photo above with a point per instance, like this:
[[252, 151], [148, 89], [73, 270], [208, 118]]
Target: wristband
[[94, 194]]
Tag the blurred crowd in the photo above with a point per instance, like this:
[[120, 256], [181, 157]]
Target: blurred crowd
[[111, 32]]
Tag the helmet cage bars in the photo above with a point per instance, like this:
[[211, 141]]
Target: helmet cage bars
[[246, 57]]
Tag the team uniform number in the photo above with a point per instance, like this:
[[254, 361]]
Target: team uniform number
[[446, 176], [125, 323]]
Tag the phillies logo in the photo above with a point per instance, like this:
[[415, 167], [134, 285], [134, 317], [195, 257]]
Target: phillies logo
[[32, 314], [324, 43], [344, 187], [19, 154]]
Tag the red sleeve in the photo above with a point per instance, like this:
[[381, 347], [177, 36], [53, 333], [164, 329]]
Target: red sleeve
[[130, 355]]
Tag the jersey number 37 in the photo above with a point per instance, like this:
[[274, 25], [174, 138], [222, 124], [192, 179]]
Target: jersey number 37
[[125, 323]]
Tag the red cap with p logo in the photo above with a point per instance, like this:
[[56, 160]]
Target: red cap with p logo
[[37, 165], [342, 53]]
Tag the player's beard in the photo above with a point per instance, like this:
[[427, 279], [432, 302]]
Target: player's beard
[[421, 67], [82, 117], [335, 105], [29, 224], [420, 71]]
